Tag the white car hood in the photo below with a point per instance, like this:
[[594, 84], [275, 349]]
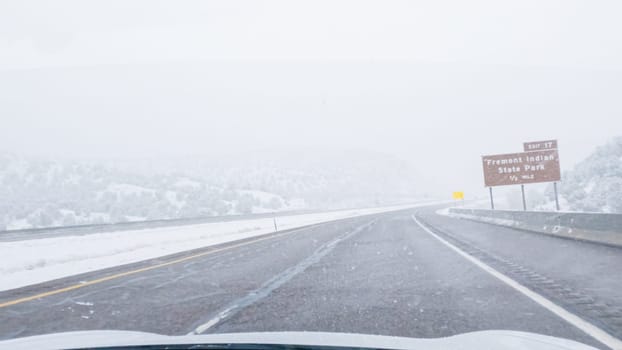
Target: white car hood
[[495, 339]]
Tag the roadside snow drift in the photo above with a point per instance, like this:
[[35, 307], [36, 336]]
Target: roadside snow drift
[[38, 260]]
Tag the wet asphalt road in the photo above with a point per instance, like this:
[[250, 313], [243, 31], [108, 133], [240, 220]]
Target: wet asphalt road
[[378, 274]]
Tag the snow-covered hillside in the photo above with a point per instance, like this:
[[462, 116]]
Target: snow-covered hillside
[[595, 184], [39, 192]]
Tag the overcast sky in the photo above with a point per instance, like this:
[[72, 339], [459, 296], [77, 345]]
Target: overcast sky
[[438, 83]]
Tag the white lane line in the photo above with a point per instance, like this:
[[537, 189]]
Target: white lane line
[[590, 329], [278, 280]]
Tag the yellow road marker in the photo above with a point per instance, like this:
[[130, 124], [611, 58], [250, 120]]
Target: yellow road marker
[[458, 195]]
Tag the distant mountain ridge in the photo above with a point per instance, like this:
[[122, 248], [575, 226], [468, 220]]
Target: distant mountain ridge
[[41, 192]]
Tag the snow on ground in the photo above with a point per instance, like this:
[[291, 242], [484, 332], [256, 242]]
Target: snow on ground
[[260, 195], [125, 190], [473, 204], [34, 261], [550, 205], [18, 224], [496, 221], [266, 201], [186, 182], [171, 196]]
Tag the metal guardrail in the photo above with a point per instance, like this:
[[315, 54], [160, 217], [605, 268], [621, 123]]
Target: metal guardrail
[[593, 227], [135, 225], [35, 233]]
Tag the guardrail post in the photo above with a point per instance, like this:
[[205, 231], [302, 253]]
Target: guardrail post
[[522, 189]]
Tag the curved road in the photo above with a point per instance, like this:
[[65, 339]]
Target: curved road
[[386, 274]]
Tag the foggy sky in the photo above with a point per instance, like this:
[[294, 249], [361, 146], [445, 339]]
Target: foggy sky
[[437, 83]]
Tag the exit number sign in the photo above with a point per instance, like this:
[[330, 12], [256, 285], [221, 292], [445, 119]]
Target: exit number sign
[[539, 145]]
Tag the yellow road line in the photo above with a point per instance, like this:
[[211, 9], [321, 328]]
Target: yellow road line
[[132, 272]]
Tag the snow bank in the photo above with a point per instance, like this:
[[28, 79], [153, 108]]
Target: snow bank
[[490, 220], [34, 261]]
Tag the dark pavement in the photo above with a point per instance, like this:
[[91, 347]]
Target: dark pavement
[[378, 274]]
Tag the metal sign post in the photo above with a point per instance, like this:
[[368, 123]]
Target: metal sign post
[[522, 189], [459, 195], [556, 198], [492, 202]]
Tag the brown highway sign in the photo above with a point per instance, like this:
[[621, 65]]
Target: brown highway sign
[[521, 168]]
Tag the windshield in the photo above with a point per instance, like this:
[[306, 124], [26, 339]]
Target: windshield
[[420, 169]]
